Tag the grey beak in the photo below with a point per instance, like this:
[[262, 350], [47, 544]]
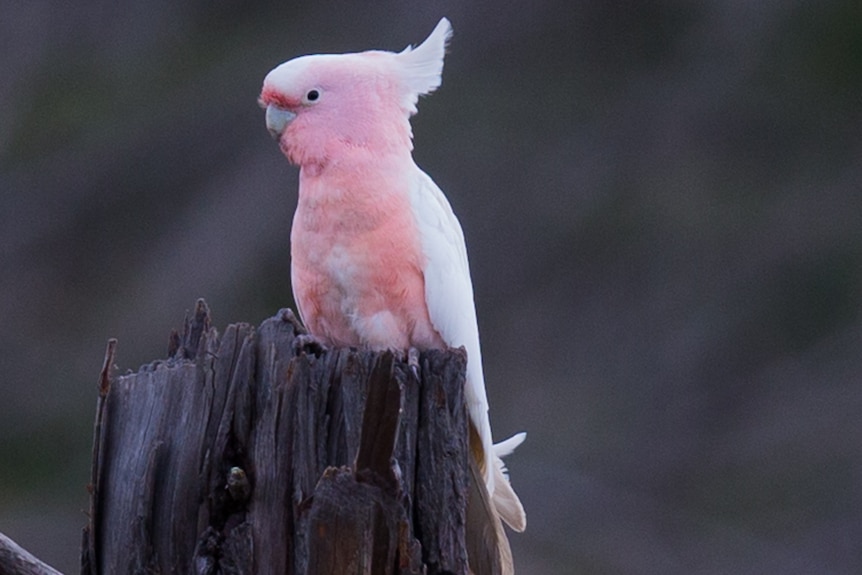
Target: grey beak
[[277, 120]]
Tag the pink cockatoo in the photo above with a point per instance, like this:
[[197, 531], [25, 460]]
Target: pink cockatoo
[[378, 256]]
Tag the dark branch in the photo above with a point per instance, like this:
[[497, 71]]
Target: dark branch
[[16, 561]]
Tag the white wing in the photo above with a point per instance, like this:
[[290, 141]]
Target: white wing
[[449, 296]]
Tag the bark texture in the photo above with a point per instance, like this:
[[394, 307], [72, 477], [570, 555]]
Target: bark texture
[[257, 451]]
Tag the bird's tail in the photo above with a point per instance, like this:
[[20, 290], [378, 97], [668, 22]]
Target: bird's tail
[[506, 502]]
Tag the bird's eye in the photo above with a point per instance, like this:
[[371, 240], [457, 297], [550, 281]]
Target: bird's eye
[[311, 96]]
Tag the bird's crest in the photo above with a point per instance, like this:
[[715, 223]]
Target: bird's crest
[[421, 67]]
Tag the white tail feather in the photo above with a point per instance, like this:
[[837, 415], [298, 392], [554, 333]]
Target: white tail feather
[[421, 67], [505, 500], [508, 446]]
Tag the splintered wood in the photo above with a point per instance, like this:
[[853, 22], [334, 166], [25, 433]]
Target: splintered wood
[[258, 451]]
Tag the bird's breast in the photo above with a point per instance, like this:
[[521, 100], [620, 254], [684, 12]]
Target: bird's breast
[[357, 265]]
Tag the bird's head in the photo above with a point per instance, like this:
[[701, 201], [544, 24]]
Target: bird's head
[[318, 105]]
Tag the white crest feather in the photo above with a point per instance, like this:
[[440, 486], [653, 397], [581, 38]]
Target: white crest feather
[[422, 66]]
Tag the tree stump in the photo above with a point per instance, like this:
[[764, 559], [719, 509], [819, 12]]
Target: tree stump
[[259, 452]]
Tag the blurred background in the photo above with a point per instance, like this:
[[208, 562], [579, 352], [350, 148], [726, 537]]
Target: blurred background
[[662, 208]]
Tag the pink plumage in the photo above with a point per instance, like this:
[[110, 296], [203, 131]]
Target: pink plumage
[[357, 259], [378, 256]]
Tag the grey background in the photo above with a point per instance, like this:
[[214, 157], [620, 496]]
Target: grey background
[[662, 207]]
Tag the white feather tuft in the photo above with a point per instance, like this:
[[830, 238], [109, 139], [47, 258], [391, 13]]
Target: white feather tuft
[[506, 447], [420, 68]]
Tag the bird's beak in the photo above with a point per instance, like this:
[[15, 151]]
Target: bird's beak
[[277, 120]]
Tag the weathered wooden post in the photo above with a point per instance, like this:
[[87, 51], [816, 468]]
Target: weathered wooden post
[[257, 452]]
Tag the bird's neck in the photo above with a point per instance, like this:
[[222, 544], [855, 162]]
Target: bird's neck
[[359, 145], [351, 161], [356, 185]]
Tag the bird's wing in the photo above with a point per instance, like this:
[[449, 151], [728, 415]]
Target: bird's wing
[[449, 296]]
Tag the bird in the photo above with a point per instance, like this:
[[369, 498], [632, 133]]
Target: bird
[[378, 257]]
